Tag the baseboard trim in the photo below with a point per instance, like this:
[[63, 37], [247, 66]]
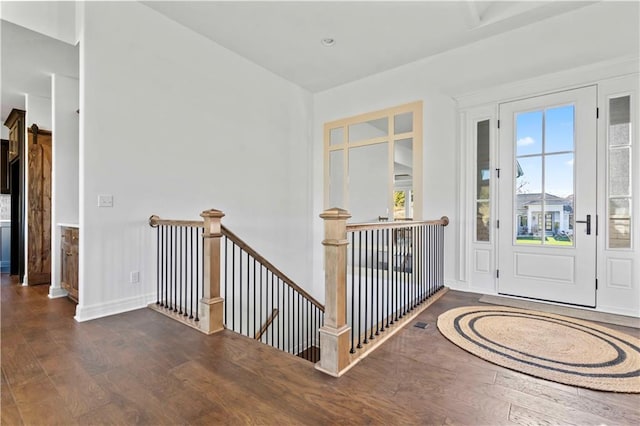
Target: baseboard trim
[[456, 285], [90, 312], [571, 311], [600, 308], [57, 292], [619, 311]]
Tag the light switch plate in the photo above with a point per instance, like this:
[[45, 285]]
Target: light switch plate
[[105, 200]]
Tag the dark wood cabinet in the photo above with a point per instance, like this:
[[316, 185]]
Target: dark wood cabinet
[[69, 261], [16, 124], [17, 162], [4, 161]]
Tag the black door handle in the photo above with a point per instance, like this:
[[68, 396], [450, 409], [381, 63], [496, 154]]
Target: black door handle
[[588, 222]]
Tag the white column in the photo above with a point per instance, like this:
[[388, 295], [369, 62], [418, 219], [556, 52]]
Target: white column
[[65, 167]]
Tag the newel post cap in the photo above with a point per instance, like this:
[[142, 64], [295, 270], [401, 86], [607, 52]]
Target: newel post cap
[[212, 213], [153, 221], [335, 213]]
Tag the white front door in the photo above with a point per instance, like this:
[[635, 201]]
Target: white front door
[[547, 197]]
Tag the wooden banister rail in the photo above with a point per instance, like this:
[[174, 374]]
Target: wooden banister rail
[[210, 307], [266, 324], [444, 221], [396, 270], [261, 259], [155, 221], [210, 279]]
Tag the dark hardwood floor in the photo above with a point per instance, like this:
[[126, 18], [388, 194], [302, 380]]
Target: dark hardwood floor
[[143, 368]]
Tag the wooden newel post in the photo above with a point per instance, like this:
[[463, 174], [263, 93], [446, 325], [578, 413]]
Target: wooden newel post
[[212, 304], [334, 335]]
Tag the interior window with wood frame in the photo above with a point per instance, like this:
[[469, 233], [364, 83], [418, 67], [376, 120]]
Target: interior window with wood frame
[[373, 164]]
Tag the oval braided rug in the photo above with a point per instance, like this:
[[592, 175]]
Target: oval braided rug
[[549, 346]]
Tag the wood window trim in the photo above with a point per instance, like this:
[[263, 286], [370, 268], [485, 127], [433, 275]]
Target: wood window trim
[[416, 134]]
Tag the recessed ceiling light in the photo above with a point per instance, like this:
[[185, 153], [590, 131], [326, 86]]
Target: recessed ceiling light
[[328, 42]]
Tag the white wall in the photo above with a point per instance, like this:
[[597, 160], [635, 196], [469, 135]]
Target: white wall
[[173, 124], [65, 173], [586, 36], [66, 100], [38, 111]]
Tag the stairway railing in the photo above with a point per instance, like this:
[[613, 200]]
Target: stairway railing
[[210, 279], [253, 288], [378, 277]]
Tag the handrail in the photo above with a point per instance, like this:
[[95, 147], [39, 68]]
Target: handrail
[[244, 246], [155, 221], [266, 324], [444, 221]]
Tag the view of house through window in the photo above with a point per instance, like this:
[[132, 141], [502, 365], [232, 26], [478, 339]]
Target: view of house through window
[[544, 178], [373, 164]]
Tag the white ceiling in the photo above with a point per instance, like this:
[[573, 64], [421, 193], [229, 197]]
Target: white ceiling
[[285, 37]]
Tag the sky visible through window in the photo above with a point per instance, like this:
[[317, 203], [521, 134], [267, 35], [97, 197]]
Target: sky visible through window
[[555, 149]]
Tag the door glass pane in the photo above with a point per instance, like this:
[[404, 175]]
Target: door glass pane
[[558, 225], [528, 200], [619, 172], [482, 161], [482, 221], [620, 121], [558, 129], [558, 175], [558, 205], [529, 133], [336, 175], [528, 219], [403, 123], [403, 179], [368, 182], [369, 129], [336, 136], [620, 223], [529, 176]]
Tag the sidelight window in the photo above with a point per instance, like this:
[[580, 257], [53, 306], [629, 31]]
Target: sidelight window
[[619, 172], [483, 181]]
